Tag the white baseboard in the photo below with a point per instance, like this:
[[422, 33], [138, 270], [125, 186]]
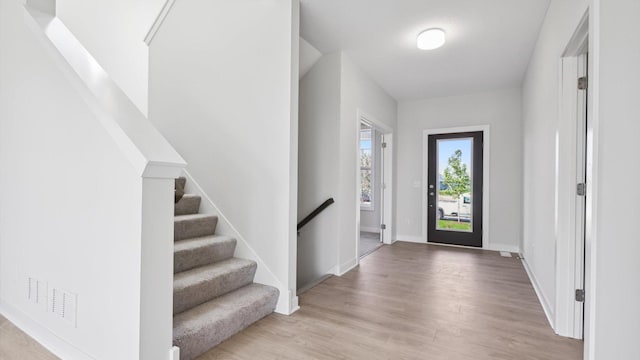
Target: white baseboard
[[543, 299], [411, 239], [289, 308], [57, 346], [502, 247], [313, 284], [174, 353], [347, 266], [370, 229]]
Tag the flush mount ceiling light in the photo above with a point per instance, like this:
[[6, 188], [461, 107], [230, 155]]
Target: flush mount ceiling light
[[431, 39]]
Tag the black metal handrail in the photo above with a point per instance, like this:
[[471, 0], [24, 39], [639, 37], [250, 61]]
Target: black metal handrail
[[315, 213]]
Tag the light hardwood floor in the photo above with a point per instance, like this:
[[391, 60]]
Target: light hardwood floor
[[16, 345], [406, 301], [412, 301]]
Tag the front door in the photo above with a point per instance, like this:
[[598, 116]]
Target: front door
[[455, 188]]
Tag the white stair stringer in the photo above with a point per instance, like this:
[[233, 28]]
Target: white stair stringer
[[287, 301]]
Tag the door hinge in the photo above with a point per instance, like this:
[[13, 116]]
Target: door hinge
[[583, 83], [384, 145], [581, 189], [580, 295], [383, 226]]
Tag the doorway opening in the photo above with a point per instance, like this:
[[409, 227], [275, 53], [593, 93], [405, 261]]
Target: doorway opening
[[374, 186], [455, 195], [455, 177]]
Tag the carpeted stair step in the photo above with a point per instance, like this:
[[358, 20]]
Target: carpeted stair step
[[188, 205], [196, 225], [191, 253], [197, 286], [179, 188], [197, 330]]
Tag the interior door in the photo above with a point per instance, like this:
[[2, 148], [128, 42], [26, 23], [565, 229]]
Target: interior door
[[455, 173]]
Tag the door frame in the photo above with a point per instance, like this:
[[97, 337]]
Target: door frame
[[570, 209], [387, 196], [486, 156]]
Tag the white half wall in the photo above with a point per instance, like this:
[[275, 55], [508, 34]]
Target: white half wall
[[501, 110], [541, 116], [114, 31], [76, 213], [223, 90]]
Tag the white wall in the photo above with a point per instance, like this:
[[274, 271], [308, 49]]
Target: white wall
[[113, 32], [308, 57], [499, 109], [358, 93], [541, 95], [222, 90], [317, 168], [332, 94], [615, 76], [71, 213], [370, 220]]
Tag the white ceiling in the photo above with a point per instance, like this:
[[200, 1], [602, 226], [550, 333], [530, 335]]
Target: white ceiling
[[489, 42]]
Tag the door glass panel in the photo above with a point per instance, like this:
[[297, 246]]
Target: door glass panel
[[454, 192]]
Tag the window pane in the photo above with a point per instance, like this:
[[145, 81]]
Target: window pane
[[454, 188], [365, 182], [365, 159], [366, 165]]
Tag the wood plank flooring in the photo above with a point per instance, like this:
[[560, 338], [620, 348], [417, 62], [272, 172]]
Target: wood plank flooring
[[412, 301], [16, 345], [405, 301]]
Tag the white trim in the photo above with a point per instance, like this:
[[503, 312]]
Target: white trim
[[174, 353], [384, 129], [591, 222], [503, 247], [386, 191], [348, 266], [56, 345], [292, 305], [370, 229], [486, 178], [411, 239], [536, 286], [287, 303], [137, 138], [569, 208], [157, 23]]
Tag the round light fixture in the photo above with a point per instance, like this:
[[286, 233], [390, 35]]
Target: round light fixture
[[431, 39]]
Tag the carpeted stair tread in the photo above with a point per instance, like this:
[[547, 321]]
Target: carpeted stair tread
[[194, 287], [201, 328], [188, 205], [191, 253], [195, 225]]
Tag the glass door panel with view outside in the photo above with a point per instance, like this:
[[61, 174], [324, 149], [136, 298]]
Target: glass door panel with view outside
[[455, 188]]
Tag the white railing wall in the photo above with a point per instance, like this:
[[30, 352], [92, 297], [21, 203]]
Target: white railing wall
[[87, 189]]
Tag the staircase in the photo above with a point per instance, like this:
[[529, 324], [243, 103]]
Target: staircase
[[214, 296]]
